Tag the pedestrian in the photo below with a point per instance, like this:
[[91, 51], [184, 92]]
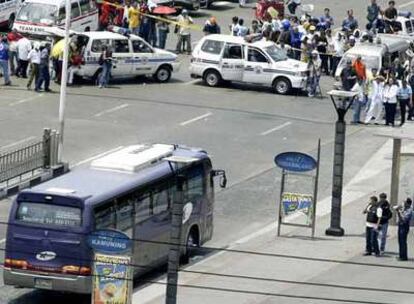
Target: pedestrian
[[234, 26], [295, 42], [390, 17], [23, 48], [106, 63], [163, 31], [404, 215], [13, 37], [385, 217], [242, 29], [360, 68], [183, 31], [390, 101], [375, 107], [338, 44], [255, 28], [44, 75], [134, 18], [326, 20], [348, 76], [411, 84], [373, 11], [293, 5], [405, 99], [211, 27], [359, 102], [322, 47], [374, 213], [34, 60], [4, 60], [350, 24], [314, 68], [75, 68]]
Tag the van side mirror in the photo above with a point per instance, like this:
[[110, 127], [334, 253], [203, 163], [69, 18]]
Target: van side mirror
[[223, 177]]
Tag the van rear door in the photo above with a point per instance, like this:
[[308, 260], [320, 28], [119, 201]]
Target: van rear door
[[47, 236]]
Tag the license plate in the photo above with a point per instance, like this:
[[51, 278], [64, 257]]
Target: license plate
[[43, 283]]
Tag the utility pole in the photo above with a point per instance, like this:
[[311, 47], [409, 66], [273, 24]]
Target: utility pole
[[63, 83], [175, 243]]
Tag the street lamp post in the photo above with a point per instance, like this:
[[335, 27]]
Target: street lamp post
[[176, 228], [342, 101]]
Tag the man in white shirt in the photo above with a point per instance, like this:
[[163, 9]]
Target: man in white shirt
[[390, 101], [23, 48], [375, 107], [374, 214], [34, 60]]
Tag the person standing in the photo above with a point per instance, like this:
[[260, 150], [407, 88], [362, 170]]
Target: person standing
[[184, 35], [386, 216], [211, 27], [314, 68], [350, 24], [373, 11], [375, 106], [360, 68], [106, 60], [404, 214], [348, 76], [390, 101], [34, 59], [44, 75], [390, 16], [13, 37], [405, 99], [359, 102], [133, 18], [23, 48], [4, 60], [242, 29], [163, 31], [374, 213]]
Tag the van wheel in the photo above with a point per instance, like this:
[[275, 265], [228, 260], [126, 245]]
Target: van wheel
[[212, 78], [87, 29], [282, 86], [10, 22], [163, 74], [191, 245]]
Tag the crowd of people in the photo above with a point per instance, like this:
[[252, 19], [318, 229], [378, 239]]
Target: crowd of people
[[378, 215]]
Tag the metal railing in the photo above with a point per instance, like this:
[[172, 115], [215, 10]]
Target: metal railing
[[29, 159]]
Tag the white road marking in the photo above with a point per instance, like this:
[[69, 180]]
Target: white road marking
[[24, 100], [96, 156], [18, 142], [112, 110], [184, 123], [288, 123], [406, 4]]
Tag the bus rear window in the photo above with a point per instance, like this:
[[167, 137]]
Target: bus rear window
[[49, 214]]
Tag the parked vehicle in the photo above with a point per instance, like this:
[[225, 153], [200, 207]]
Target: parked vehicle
[[230, 58], [130, 190], [8, 9], [34, 16]]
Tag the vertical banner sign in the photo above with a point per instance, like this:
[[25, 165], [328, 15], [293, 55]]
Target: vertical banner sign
[[294, 202], [112, 270]]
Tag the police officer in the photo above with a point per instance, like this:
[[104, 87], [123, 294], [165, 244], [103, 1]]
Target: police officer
[[404, 214], [374, 213]]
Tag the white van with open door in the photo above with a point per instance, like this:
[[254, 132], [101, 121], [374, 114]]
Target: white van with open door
[[8, 9]]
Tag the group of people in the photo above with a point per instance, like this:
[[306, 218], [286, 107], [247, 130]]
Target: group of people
[[378, 214]]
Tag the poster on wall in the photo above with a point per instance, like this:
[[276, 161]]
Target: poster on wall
[[111, 282]]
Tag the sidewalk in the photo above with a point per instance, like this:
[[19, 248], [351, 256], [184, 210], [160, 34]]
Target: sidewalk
[[375, 175]]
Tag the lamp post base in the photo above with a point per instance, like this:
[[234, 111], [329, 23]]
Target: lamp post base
[[335, 231]]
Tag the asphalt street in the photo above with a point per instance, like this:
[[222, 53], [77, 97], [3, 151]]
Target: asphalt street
[[242, 127]]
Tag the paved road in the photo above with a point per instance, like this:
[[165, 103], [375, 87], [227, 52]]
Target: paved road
[[242, 128]]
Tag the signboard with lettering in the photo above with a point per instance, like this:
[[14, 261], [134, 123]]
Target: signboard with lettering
[[109, 241], [297, 202], [295, 161]]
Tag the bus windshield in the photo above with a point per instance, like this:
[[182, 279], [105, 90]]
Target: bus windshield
[[47, 214], [38, 13]]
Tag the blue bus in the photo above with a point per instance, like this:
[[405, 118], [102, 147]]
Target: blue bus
[[130, 190]]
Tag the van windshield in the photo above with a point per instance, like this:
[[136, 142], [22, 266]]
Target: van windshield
[[276, 53], [47, 214], [371, 62], [37, 12]]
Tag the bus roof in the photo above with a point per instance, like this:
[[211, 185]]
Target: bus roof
[[93, 185]]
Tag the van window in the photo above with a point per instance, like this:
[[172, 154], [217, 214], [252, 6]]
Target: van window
[[140, 47], [85, 6], [105, 216], [212, 46], [233, 51], [409, 26], [75, 11], [61, 15], [47, 214], [98, 45], [254, 55], [121, 46]]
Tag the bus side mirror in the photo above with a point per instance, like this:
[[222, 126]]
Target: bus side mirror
[[223, 177]]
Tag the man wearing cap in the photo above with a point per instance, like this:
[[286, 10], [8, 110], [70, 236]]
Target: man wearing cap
[[4, 60], [404, 214], [184, 35]]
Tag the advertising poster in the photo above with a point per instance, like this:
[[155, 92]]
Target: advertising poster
[[112, 280], [296, 202]]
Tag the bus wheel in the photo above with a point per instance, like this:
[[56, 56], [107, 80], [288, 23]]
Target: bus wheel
[[191, 245], [10, 22]]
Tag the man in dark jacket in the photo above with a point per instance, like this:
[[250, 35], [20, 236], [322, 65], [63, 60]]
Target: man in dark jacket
[[386, 216], [348, 76], [374, 213], [404, 214]]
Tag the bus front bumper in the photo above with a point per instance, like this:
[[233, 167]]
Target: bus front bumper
[[28, 279]]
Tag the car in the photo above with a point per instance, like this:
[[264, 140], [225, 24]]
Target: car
[[218, 58], [132, 56]]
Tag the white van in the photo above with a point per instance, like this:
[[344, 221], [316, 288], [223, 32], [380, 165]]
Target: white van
[[34, 16], [132, 57], [8, 10], [230, 58]]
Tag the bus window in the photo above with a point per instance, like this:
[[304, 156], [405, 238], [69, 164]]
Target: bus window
[[105, 216], [143, 208], [75, 11], [194, 188], [124, 213], [61, 15], [161, 200]]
